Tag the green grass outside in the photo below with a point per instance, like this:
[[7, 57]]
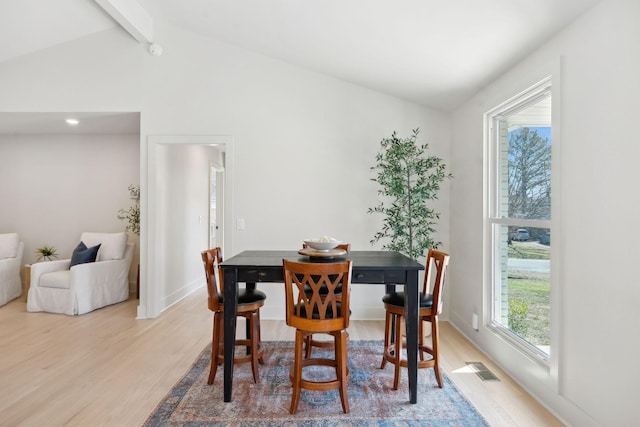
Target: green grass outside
[[532, 289], [528, 250]]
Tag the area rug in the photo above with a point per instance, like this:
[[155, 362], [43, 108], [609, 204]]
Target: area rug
[[372, 401]]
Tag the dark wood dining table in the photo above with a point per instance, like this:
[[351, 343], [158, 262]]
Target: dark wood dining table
[[368, 267]]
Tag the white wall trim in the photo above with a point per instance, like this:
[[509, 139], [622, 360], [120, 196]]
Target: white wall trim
[[186, 290]]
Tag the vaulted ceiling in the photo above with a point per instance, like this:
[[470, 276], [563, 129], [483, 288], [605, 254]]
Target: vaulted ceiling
[[437, 53]]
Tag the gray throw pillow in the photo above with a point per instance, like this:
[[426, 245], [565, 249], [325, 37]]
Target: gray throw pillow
[[82, 254]]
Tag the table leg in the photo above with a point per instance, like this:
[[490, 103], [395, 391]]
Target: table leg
[[390, 288], [247, 327], [412, 305], [230, 309]]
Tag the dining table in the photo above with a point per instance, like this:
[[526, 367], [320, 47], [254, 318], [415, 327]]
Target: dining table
[[368, 268]]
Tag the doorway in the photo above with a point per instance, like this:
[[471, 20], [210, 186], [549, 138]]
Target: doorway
[[177, 180], [216, 204]]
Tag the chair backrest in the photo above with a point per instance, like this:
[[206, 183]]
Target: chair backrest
[[112, 245], [345, 246], [9, 245], [319, 310], [434, 275], [211, 259]]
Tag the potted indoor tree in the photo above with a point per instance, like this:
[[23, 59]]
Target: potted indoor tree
[[132, 215], [408, 180]]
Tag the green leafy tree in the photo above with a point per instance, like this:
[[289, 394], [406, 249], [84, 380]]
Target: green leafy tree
[[409, 179]]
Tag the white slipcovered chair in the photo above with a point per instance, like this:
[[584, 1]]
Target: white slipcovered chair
[[11, 250], [56, 288]]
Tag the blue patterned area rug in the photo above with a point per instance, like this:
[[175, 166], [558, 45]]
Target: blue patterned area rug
[[372, 401]]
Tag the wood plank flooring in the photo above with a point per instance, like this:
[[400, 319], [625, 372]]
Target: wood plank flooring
[[107, 369]]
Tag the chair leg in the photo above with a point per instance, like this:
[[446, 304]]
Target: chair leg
[[247, 332], [253, 339], [308, 346], [421, 339], [341, 367], [215, 346], [297, 372], [259, 337], [387, 338], [435, 341], [393, 337], [398, 352]]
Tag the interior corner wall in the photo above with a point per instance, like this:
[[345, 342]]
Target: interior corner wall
[[57, 186], [594, 372]]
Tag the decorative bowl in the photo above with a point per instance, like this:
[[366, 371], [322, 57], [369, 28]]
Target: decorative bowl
[[322, 244]]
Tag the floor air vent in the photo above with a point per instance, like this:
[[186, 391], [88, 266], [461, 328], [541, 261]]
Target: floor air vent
[[482, 371]]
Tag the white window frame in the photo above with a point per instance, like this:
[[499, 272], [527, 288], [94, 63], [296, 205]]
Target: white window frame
[[526, 98]]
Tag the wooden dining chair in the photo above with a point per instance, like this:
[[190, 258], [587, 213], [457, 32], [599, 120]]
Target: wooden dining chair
[[249, 303], [309, 341], [312, 307], [430, 308]]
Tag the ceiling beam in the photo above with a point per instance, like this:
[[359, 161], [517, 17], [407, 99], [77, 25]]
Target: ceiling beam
[[132, 17]]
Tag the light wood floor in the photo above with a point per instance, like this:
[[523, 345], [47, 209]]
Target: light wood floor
[[107, 369]]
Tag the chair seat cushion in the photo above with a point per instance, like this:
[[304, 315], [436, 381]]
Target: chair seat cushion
[[55, 279], [245, 296], [397, 299]]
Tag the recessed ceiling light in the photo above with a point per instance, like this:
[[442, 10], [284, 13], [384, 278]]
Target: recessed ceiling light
[[72, 122]]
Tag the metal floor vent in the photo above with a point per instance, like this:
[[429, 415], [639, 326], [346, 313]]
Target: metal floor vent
[[482, 371]]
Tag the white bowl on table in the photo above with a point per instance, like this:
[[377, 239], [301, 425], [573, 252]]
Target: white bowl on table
[[322, 246]]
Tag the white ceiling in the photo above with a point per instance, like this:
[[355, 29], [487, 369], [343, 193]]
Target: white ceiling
[[54, 123], [434, 52], [437, 53]]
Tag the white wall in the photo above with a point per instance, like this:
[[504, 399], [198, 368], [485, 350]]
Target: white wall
[[184, 204], [594, 375], [54, 187], [303, 142]]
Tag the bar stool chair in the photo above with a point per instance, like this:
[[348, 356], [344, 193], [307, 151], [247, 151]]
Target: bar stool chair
[[430, 308], [318, 311], [249, 303], [310, 342]]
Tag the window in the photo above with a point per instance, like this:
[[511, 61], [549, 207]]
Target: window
[[519, 218]]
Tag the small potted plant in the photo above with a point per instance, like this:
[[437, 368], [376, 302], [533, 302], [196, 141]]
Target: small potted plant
[[46, 253]]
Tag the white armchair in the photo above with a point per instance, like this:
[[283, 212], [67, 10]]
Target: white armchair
[[11, 250], [56, 288]]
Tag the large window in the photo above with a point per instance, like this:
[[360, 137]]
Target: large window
[[519, 218]]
